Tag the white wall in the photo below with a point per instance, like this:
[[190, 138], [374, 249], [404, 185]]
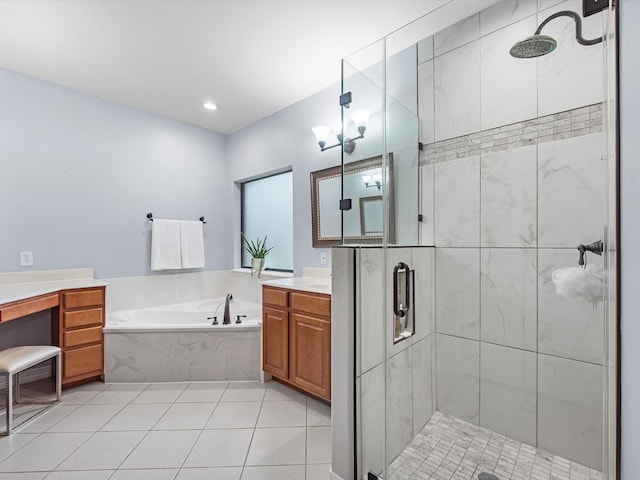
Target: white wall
[[280, 142], [79, 174], [629, 101]]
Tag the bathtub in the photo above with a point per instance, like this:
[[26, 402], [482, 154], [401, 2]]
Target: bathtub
[[178, 343]]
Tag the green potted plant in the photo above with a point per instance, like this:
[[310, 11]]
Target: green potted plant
[[258, 251]]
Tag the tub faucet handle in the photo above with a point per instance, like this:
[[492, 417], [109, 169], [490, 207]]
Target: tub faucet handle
[[238, 318], [215, 320]]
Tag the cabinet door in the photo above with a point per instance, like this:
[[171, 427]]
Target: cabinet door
[[82, 362], [311, 354], [275, 342]]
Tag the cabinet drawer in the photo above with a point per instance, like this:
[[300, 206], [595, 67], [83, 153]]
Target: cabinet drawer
[[82, 318], [275, 296], [82, 298], [83, 336], [82, 361], [22, 308], [309, 303]]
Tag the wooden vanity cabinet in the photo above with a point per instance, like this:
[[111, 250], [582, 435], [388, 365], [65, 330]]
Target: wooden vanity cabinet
[[79, 334], [296, 338], [275, 324]]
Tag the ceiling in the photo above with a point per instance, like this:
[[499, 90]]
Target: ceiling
[[250, 57]]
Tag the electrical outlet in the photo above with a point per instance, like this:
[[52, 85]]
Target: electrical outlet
[[26, 259], [323, 258]]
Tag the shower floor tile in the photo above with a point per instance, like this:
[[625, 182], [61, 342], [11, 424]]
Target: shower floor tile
[[448, 448]]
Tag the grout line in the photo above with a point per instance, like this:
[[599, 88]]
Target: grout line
[[521, 349], [124, 404]]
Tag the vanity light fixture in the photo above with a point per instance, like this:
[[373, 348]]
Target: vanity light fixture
[[360, 118], [374, 180], [210, 106]]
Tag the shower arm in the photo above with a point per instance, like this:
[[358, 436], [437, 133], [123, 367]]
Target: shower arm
[[568, 13]]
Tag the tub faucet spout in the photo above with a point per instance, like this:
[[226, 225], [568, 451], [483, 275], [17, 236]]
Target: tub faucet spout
[[227, 317]]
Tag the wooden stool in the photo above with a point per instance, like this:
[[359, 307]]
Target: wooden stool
[[17, 359]]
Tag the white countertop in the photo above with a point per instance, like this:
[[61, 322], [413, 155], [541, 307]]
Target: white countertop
[[21, 291], [307, 284]]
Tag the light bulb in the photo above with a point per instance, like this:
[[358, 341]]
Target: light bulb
[[336, 126], [360, 117], [321, 132]]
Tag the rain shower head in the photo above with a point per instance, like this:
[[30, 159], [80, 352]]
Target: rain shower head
[[533, 46], [538, 45]]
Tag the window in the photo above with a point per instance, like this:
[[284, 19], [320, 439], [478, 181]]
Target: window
[[267, 209]]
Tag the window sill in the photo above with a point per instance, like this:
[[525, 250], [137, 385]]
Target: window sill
[[265, 273]]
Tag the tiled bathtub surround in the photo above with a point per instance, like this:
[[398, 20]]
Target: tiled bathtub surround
[[452, 449], [145, 356], [208, 355], [167, 289]]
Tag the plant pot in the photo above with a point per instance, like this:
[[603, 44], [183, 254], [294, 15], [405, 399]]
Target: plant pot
[[256, 266]]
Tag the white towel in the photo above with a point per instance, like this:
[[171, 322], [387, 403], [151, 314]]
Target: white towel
[[192, 244], [165, 245]]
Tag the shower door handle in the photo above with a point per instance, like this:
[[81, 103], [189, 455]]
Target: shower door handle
[[399, 308]]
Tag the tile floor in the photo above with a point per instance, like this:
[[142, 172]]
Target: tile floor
[[174, 431], [448, 448]]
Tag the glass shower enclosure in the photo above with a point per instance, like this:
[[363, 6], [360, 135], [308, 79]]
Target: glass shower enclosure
[[465, 344]]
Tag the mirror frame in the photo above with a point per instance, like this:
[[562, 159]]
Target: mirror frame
[[363, 213], [349, 169]]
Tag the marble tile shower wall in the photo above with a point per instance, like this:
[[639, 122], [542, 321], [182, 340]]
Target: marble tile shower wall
[[512, 181], [409, 388]]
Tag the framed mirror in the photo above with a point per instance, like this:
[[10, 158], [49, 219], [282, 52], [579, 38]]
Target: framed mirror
[[363, 224], [371, 215]]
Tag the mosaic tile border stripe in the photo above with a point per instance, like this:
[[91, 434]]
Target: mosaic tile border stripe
[[558, 126]]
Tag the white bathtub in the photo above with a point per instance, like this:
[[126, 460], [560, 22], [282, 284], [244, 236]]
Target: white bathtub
[[178, 342], [185, 316]]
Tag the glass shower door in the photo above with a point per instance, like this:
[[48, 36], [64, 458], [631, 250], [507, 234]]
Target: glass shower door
[[499, 372], [363, 155], [363, 77], [380, 177]]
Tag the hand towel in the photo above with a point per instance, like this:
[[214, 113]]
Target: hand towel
[[192, 244], [165, 245]]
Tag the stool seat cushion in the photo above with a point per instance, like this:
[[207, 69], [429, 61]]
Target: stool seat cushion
[[17, 359]]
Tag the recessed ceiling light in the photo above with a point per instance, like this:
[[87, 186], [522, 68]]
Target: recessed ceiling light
[[210, 106]]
